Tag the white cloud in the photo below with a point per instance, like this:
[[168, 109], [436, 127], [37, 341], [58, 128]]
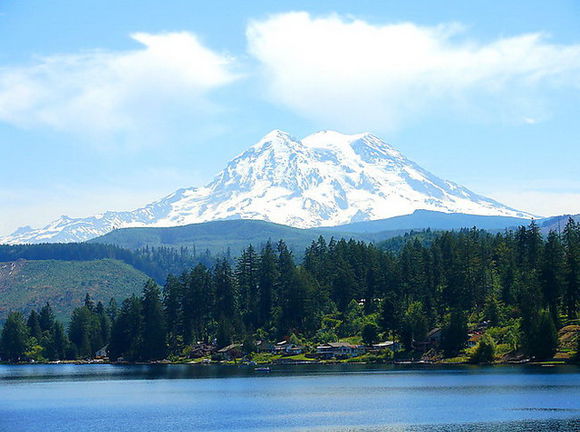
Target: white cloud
[[101, 92], [349, 73]]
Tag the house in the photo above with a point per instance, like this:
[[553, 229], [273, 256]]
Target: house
[[102, 352], [390, 345], [338, 350], [231, 352], [287, 348], [432, 340], [265, 347], [201, 350], [434, 337], [473, 339]]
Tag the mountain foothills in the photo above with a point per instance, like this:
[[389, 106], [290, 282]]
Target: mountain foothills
[[325, 179], [467, 295], [27, 285]]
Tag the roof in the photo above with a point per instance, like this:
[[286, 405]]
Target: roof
[[229, 348], [434, 332], [384, 344], [337, 345]]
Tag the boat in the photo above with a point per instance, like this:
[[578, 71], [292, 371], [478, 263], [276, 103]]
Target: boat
[[262, 369]]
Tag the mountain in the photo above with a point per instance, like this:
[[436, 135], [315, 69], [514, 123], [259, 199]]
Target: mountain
[[232, 235], [325, 179], [220, 236], [556, 223], [422, 219], [26, 285]]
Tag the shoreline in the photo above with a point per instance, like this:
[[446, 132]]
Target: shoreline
[[524, 362]]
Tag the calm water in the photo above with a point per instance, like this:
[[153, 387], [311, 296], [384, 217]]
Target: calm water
[[301, 398]]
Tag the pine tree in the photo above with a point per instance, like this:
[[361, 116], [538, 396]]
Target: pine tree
[[33, 324], [89, 303], [56, 347], [153, 344], [414, 324], [198, 302], [104, 323], [454, 333], [14, 340], [46, 318], [126, 331], [226, 297], [268, 284], [370, 333], [246, 274], [112, 309], [172, 301], [571, 236]]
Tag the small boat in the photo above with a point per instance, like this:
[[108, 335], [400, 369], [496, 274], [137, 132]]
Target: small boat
[[262, 369]]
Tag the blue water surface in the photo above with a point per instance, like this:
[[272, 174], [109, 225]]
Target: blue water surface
[[66, 398]]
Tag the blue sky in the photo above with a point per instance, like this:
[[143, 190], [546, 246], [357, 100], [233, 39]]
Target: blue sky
[[113, 105]]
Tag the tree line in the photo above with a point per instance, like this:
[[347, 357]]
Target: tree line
[[519, 283], [155, 262]]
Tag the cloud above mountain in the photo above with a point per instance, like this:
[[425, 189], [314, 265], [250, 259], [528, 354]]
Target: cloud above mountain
[[348, 72], [99, 91]]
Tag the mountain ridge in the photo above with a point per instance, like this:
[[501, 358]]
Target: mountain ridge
[[325, 179]]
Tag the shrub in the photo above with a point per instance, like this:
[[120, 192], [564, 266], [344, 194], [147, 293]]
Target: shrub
[[484, 352]]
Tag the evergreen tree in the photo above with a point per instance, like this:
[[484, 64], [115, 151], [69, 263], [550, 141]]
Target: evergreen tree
[[85, 331], [540, 338], [454, 333], [414, 325], [14, 341], [390, 313], [89, 303], [57, 343], [370, 333], [572, 252], [112, 309], [33, 324], [268, 284], [153, 345], [104, 323], [172, 301], [46, 318], [198, 305], [226, 296], [126, 331], [246, 274], [292, 293], [553, 273]]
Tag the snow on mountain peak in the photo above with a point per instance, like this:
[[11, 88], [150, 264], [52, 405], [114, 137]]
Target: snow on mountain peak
[[327, 178]]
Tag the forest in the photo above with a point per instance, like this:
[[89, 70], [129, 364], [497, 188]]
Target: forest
[[519, 286], [156, 262]]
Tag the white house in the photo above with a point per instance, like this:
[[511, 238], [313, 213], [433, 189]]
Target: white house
[[338, 350]]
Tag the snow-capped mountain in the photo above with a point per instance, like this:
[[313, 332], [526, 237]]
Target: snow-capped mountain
[[325, 179]]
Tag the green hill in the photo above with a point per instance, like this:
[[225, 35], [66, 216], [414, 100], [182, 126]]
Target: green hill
[[220, 236], [26, 285]]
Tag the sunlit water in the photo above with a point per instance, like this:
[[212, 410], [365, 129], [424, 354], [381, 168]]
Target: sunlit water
[[93, 398]]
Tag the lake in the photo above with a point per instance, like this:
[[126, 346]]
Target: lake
[[48, 398]]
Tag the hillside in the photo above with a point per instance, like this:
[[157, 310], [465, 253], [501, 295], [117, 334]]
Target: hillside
[[220, 236], [556, 223], [423, 219], [26, 285]]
